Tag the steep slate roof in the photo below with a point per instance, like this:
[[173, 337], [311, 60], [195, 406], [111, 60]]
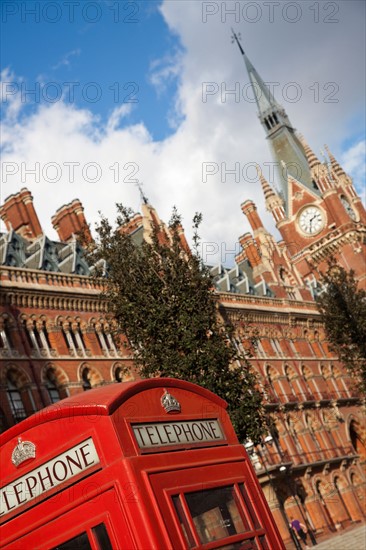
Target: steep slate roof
[[54, 256], [42, 254]]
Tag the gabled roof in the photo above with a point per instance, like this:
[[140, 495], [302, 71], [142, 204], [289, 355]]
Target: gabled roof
[[42, 254]]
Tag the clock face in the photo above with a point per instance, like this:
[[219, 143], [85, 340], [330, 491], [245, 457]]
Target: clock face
[[348, 208], [311, 220]]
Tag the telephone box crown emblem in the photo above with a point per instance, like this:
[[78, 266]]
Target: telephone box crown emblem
[[23, 451], [169, 402]]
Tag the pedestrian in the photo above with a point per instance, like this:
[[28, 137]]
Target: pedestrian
[[300, 530]]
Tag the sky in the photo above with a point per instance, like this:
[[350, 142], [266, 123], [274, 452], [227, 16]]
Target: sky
[[101, 99]]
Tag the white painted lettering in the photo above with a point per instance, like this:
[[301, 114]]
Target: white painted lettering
[[39, 481]]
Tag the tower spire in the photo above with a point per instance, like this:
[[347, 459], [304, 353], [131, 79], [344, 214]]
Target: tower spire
[[142, 194], [236, 39], [265, 100], [280, 133]]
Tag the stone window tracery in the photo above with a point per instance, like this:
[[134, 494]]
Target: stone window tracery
[[105, 339], [327, 373], [37, 336], [308, 342], [339, 379], [275, 384], [5, 336], [315, 433], [293, 430], [276, 347], [293, 380], [73, 333], [310, 378]]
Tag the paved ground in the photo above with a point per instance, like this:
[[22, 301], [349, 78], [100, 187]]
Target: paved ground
[[350, 540]]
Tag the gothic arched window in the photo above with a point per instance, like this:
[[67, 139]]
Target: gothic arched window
[[51, 385], [14, 397], [86, 379]]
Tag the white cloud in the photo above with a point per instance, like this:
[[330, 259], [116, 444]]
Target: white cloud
[[118, 114], [353, 162], [65, 61], [164, 70], [10, 97], [224, 133]]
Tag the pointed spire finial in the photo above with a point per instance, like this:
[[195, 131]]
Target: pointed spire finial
[[142, 194], [267, 189], [310, 155], [337, 168], [236, 38]]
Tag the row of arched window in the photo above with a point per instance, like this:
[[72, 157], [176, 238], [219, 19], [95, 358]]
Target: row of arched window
[[275, 347], [321, 382], [305, 437], [77, 336]]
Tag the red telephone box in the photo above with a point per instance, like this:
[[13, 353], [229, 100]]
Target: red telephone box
[[144, 465]]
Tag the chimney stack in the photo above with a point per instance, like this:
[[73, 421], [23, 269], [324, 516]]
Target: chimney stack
[[18, 213], [250, 210], [69, 220], [250, 250]]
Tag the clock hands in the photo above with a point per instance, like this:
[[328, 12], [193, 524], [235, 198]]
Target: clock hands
[[311, 220]]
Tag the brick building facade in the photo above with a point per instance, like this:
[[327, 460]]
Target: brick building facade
[[56, 338]]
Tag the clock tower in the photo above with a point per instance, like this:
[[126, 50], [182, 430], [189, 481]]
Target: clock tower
[[317, 210]]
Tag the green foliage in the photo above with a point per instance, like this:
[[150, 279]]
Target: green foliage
[[164, 303], [343, 309]]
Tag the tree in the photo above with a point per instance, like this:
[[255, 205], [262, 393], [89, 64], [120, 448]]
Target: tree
[[164, 303], [343, 309]]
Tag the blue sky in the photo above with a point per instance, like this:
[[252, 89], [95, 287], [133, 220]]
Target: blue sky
[[108, 50], [165, 55]]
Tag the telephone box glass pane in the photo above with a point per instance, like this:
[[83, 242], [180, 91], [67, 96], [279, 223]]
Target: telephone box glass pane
[[215, 513], [81, 542], [102, 537], [248, 544], [249, 505], [264, 542], [183, 522]]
